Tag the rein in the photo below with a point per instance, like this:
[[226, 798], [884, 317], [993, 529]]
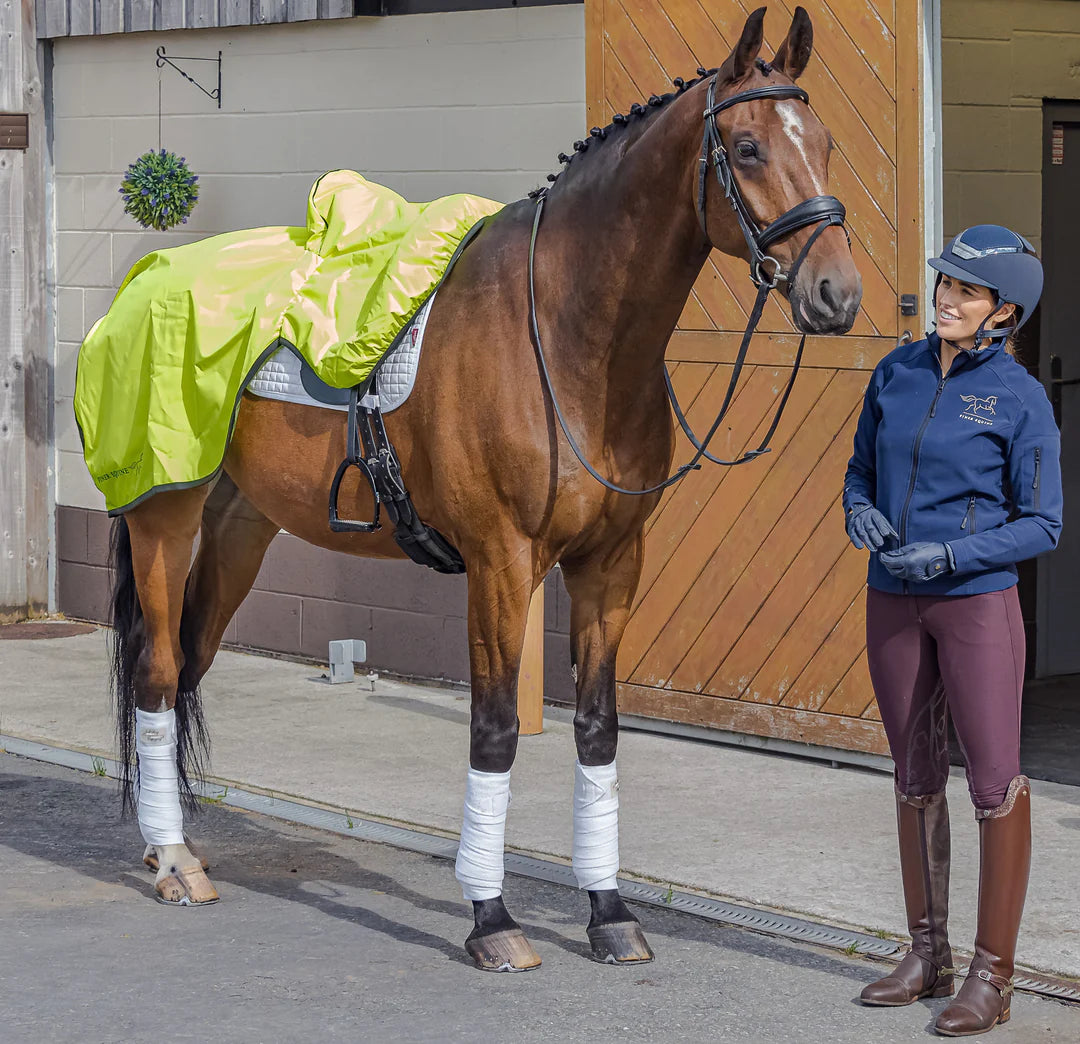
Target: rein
[[821, 210]]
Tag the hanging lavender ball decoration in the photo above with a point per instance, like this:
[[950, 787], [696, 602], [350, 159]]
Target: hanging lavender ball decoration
[[159, 190]]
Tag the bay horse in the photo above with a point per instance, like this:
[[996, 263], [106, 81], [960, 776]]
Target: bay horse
[[628, 225]]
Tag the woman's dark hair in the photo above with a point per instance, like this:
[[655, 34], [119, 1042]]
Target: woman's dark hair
[[1009, 347]]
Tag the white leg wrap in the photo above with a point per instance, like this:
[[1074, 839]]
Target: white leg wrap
[[596, 826], [160, 818], [479, 865]]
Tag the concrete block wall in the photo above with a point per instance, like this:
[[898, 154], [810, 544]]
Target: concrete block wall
[[413, 619], [1000, 59], [478, 101]]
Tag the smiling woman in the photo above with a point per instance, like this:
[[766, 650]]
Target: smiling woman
[[955, 478]]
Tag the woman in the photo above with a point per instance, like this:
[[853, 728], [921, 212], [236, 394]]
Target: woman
[[955, 478]]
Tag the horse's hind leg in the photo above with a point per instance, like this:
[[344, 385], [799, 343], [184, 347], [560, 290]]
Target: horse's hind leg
[[232, 544], [601, 591], [233, 541], [499, 595], [167, 723]]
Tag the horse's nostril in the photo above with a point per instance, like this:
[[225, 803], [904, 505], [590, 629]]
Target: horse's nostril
[[826, 295]]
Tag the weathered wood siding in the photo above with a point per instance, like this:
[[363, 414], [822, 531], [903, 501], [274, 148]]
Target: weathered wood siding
[[24, 361], [750, 611], [99, 17]]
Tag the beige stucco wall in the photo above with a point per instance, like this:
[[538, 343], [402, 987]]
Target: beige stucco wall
[[428, 104], [1000, 59]]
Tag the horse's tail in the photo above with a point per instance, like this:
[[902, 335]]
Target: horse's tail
[[125, 646], [193, 742]]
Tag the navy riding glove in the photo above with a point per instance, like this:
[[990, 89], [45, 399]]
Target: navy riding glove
[[868, 527], [919, 562]]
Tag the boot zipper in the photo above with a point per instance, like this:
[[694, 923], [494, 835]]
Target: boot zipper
[[969, 516]]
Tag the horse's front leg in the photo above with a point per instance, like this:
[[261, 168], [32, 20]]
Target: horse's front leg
[[499, 595], [601, 591]]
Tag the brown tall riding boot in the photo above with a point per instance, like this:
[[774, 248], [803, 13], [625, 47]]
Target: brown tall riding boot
[[1004, 861], [922, 825]]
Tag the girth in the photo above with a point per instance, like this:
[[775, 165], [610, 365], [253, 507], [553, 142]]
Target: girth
[[369, 450]]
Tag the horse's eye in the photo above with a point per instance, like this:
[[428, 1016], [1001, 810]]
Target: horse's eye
[[746, 149]]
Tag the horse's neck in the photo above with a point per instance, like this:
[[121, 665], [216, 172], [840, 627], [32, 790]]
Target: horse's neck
[[630, 245]]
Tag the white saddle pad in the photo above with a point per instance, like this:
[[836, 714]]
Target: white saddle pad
[[279, 376]]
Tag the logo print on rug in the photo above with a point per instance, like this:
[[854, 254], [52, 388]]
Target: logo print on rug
[[976, 406]]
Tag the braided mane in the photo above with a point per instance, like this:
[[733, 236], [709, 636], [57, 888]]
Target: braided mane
[[634, 119]]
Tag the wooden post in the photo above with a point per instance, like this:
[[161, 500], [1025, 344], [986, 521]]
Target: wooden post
[[24, 340], [531, 674]]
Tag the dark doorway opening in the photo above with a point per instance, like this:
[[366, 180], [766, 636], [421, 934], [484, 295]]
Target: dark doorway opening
[[1050, 587]]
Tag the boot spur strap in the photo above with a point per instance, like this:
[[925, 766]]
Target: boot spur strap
[[999, 982]]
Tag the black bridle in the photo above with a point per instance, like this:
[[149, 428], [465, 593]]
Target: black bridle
[[827, 210], [821, 210]]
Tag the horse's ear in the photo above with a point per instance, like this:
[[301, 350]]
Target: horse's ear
[[795, 51], [746, 50]]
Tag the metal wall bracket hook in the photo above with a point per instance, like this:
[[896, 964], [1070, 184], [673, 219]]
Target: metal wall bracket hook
[[164, 59]]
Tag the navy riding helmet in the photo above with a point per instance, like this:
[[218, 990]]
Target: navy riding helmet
[[999, 259]]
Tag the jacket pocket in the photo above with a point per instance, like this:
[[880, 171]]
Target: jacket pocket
[[969, 516], [1035, 481]]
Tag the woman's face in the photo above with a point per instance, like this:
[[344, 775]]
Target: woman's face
[[963, 307]]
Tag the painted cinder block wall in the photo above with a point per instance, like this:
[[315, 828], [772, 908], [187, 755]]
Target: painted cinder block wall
[[478, 101], [999, 60]]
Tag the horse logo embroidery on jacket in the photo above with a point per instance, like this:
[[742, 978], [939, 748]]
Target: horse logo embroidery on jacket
[[975, 406]]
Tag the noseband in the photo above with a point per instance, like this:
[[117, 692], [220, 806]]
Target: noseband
[[820, 210]]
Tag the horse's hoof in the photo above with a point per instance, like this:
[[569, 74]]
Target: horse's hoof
[[619, 943], [506, 951], [151, 860], [190, 887]]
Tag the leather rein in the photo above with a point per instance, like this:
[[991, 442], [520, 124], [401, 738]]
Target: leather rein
[[820, 210]]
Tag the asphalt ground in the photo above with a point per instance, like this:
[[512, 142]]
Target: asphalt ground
[[325, 938]]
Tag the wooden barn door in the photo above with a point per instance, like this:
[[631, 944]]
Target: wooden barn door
[[750, 612]]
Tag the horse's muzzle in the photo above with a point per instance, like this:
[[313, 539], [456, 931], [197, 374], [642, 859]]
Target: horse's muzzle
[[828, 306]]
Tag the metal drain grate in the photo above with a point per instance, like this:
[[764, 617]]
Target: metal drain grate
[[760, 920], [1048, 987], [421, 841]]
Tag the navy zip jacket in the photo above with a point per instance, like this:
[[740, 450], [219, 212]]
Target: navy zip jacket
[[971, 459]]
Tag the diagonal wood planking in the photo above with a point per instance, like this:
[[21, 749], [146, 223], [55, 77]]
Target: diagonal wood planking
[[647, 44], [770, 532], [750, 595], [682, 654]]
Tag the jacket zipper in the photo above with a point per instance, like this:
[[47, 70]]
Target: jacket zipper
[[915, 465], [969, 516], [1035, 482], [915, 459]]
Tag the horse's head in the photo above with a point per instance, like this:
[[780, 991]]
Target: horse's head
[[778, 152]]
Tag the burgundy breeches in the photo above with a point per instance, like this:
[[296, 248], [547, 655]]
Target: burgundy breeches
[[935, 657]]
